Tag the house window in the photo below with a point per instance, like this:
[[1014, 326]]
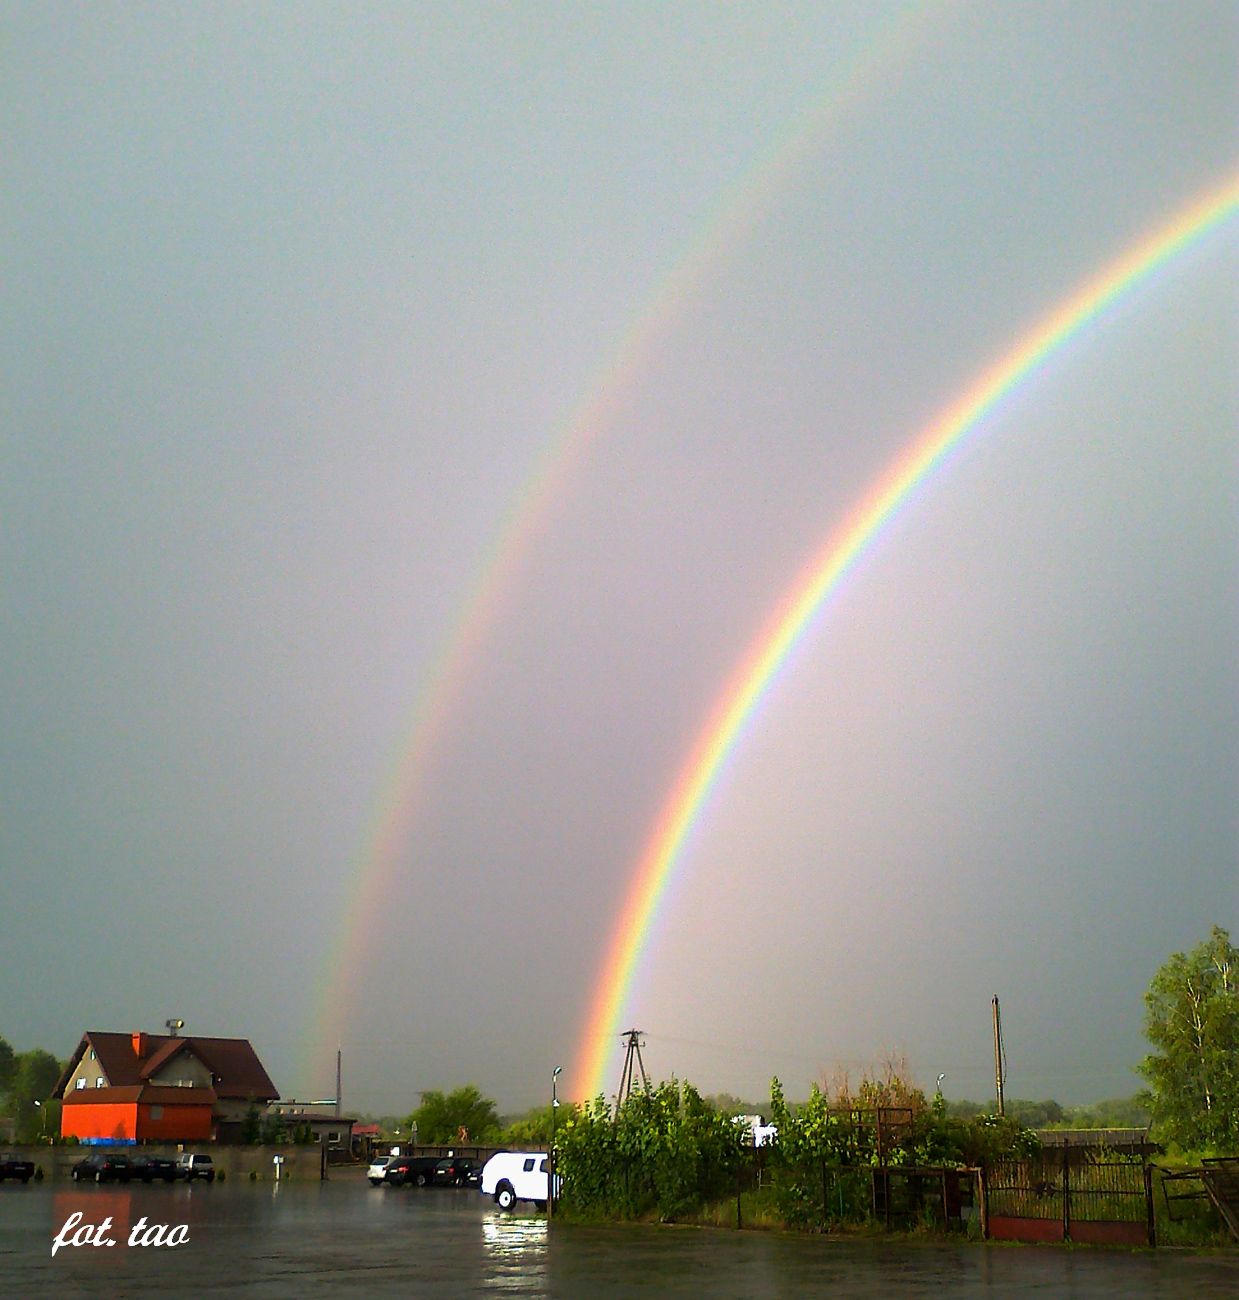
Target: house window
[[92, 1053], [101, 1082], [81, 1083], [333, 1137]]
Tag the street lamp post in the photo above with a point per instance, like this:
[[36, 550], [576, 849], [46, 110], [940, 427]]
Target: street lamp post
[[550, 1163]]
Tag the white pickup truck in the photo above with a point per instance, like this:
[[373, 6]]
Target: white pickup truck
[[513, 1176]]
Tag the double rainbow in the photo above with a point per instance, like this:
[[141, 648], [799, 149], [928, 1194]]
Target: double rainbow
[[875, 62], [823, 576]]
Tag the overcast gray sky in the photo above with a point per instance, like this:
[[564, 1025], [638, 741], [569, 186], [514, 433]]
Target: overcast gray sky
[[295, 298]]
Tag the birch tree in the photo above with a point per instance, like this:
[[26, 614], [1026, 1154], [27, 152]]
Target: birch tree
[[1192, 1021]]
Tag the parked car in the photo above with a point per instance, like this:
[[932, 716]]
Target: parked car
[[513, 1176], [148, 1168], [12, 1167], [410, 1169], [378, 1169], [102, 1167], [456, 1171], [190, 1167]]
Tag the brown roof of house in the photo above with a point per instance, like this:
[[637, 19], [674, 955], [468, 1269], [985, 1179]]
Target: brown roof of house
[[147, 1093], [161, 1057], [238, 1073]]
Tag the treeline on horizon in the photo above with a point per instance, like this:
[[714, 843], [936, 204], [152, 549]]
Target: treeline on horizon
[[442, 1115]]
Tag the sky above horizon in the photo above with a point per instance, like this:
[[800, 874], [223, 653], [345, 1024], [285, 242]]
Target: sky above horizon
[[299, 300]]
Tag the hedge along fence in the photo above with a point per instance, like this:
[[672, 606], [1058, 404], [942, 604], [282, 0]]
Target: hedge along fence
[[666, 1153]]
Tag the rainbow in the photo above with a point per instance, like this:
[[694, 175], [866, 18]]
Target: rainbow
[[877, 61], [823, 576]]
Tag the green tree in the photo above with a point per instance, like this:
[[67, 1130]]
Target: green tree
[[251, 1126], [1192, 1020], [33, 1077], [273, 1131], [533, 1129], [6, 1066], [443, 1117]]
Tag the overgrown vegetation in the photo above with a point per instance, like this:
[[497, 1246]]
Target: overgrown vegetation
[[666, 1153], [663, 1154]]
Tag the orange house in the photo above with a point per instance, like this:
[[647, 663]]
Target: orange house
[[139, 1087]]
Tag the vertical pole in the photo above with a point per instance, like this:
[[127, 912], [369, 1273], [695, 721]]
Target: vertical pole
[[550, 1158], [338, 1057], [1066, 1192], [1148, 1203], [998, 1053]]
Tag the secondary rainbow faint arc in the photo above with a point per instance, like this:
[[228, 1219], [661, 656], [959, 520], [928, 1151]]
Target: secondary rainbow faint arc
[[822, 576], [738, 210]]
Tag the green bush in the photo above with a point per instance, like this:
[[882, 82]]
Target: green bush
[[664, 1153]]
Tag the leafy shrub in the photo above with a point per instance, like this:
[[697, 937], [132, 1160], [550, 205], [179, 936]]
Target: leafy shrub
[[664, 1152]]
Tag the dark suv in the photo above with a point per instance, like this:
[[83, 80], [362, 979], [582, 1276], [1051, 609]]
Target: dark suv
[[411, 1169], [457, 1171], [102, 1168]]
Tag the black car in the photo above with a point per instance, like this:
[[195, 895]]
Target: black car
[[457, 1171], [12, 1167], [148, 1168], [102, 1168], [411, 1169]]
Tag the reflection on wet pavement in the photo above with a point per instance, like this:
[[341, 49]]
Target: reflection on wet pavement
[[345, 1238]]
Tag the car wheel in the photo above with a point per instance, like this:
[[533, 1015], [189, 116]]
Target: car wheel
[[210, 1178], [422, 1180], [374, 1182], [505, 1196]]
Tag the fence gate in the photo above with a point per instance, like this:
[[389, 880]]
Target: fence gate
[[1073, 1194]]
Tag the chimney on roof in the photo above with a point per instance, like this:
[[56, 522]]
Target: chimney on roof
[[139, 1044]]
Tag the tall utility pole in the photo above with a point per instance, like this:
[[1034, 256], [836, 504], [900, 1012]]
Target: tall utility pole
[[338, 1056], [998, 1053], [632, 1053]]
